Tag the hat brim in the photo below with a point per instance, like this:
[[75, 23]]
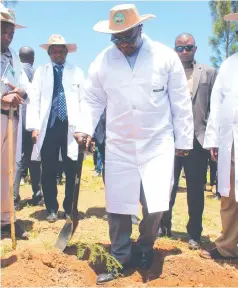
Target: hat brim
[[103, 26], [17, 26], [231, 17], [70, 47]]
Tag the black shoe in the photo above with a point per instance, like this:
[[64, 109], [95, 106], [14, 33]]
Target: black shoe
[[17, 206], [163, 232], [19, 232], [135, 220], [53, 217], [67, 216], [146, 259], [194, 244], [107, 277], [37, 199]]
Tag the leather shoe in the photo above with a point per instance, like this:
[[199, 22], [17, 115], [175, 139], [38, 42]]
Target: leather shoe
[[193, 244], [164, 232], [135, 220], [214, 254], [146, 259], [19, 232], [52, 217], [67, 216], [107, 277]]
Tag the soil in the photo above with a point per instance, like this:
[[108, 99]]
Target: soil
[[36, 263]]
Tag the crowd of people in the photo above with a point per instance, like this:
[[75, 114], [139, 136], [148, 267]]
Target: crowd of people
[[149, 109]]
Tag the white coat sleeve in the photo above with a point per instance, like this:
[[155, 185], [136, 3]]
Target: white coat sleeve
[[81, 95], [181, 105], [33, 108], [211, 139], [93, 103], [25, 84]]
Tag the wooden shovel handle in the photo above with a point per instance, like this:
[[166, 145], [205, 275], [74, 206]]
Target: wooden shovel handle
[[10, 175]]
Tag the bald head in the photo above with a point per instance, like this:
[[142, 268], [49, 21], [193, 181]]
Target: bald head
[[185, 36], [185, 47], [27, 55]]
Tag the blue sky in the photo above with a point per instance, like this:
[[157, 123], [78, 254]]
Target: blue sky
[[74, 20]]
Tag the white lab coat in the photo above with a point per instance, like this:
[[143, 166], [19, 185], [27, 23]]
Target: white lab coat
[[222, 126], [38, 111], [24, 84], [147, 109]]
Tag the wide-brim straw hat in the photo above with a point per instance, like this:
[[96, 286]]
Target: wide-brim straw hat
[[8, 15], [231, 17], [122, 18], [59, 40]]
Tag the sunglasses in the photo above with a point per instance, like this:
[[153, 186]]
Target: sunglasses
[[187, 48], [127, 39]]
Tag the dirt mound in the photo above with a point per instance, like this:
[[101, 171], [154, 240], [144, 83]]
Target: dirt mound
[[33, 267], [38, 267]]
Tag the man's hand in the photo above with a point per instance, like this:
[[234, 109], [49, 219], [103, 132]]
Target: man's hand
[[214, 154], [35, 135], [12, 98], [83, 140], [181, 152]]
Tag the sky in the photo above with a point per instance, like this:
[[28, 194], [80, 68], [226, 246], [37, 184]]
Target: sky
[[74, 21]]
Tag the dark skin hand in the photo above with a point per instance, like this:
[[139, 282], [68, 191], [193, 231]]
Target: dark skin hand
[[214, 154]]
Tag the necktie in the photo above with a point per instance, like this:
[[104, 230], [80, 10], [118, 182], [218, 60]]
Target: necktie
[[62, 109]]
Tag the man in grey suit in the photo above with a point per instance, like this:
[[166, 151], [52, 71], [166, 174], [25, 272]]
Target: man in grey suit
[[200, 80]]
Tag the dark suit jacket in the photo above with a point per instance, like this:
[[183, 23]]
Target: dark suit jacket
[[203, 80]]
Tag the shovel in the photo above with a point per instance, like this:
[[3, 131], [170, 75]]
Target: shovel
[[71, 224], [10, 175]]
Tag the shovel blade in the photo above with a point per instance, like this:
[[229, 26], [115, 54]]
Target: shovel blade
[[65, 235]]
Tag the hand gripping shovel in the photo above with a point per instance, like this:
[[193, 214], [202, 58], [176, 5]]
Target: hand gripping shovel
[[71, 224]]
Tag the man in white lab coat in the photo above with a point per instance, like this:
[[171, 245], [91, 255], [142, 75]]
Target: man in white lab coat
[[144, 89], [52, 116], [12, 98], [222, 139]]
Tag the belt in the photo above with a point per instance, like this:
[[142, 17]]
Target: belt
[[6, 112]]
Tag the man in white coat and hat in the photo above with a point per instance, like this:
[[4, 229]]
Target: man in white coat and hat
[[144, 89], [52, 116], [222, 140], [16, 97]]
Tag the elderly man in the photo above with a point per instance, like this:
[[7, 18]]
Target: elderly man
[[14, 98], [222, 140], [27, 56], [200, 79], [52, 116], [143, 87]]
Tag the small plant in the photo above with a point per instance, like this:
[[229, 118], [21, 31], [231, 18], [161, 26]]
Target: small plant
[[5, 249], [98, 253]]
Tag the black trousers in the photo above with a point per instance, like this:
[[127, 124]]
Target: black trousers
[[120, 229], [56, 140], [194, 165]]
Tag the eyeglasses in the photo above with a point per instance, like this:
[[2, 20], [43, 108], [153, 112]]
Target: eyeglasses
[[187, 48], [127, 39]]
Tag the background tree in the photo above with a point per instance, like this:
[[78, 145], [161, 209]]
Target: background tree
[[224, 38]]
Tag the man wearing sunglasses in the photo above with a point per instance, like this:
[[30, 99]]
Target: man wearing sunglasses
[[148, 116], [200, 81]]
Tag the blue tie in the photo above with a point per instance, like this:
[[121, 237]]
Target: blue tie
[[62, 109]]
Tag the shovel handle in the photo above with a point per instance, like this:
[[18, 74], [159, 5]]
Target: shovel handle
[[77, 180], [10, 175]]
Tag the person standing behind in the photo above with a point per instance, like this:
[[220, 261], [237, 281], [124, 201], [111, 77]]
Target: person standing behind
[[27, 56], [222, 140], [200, 79], [10, 99], [52, 116]]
